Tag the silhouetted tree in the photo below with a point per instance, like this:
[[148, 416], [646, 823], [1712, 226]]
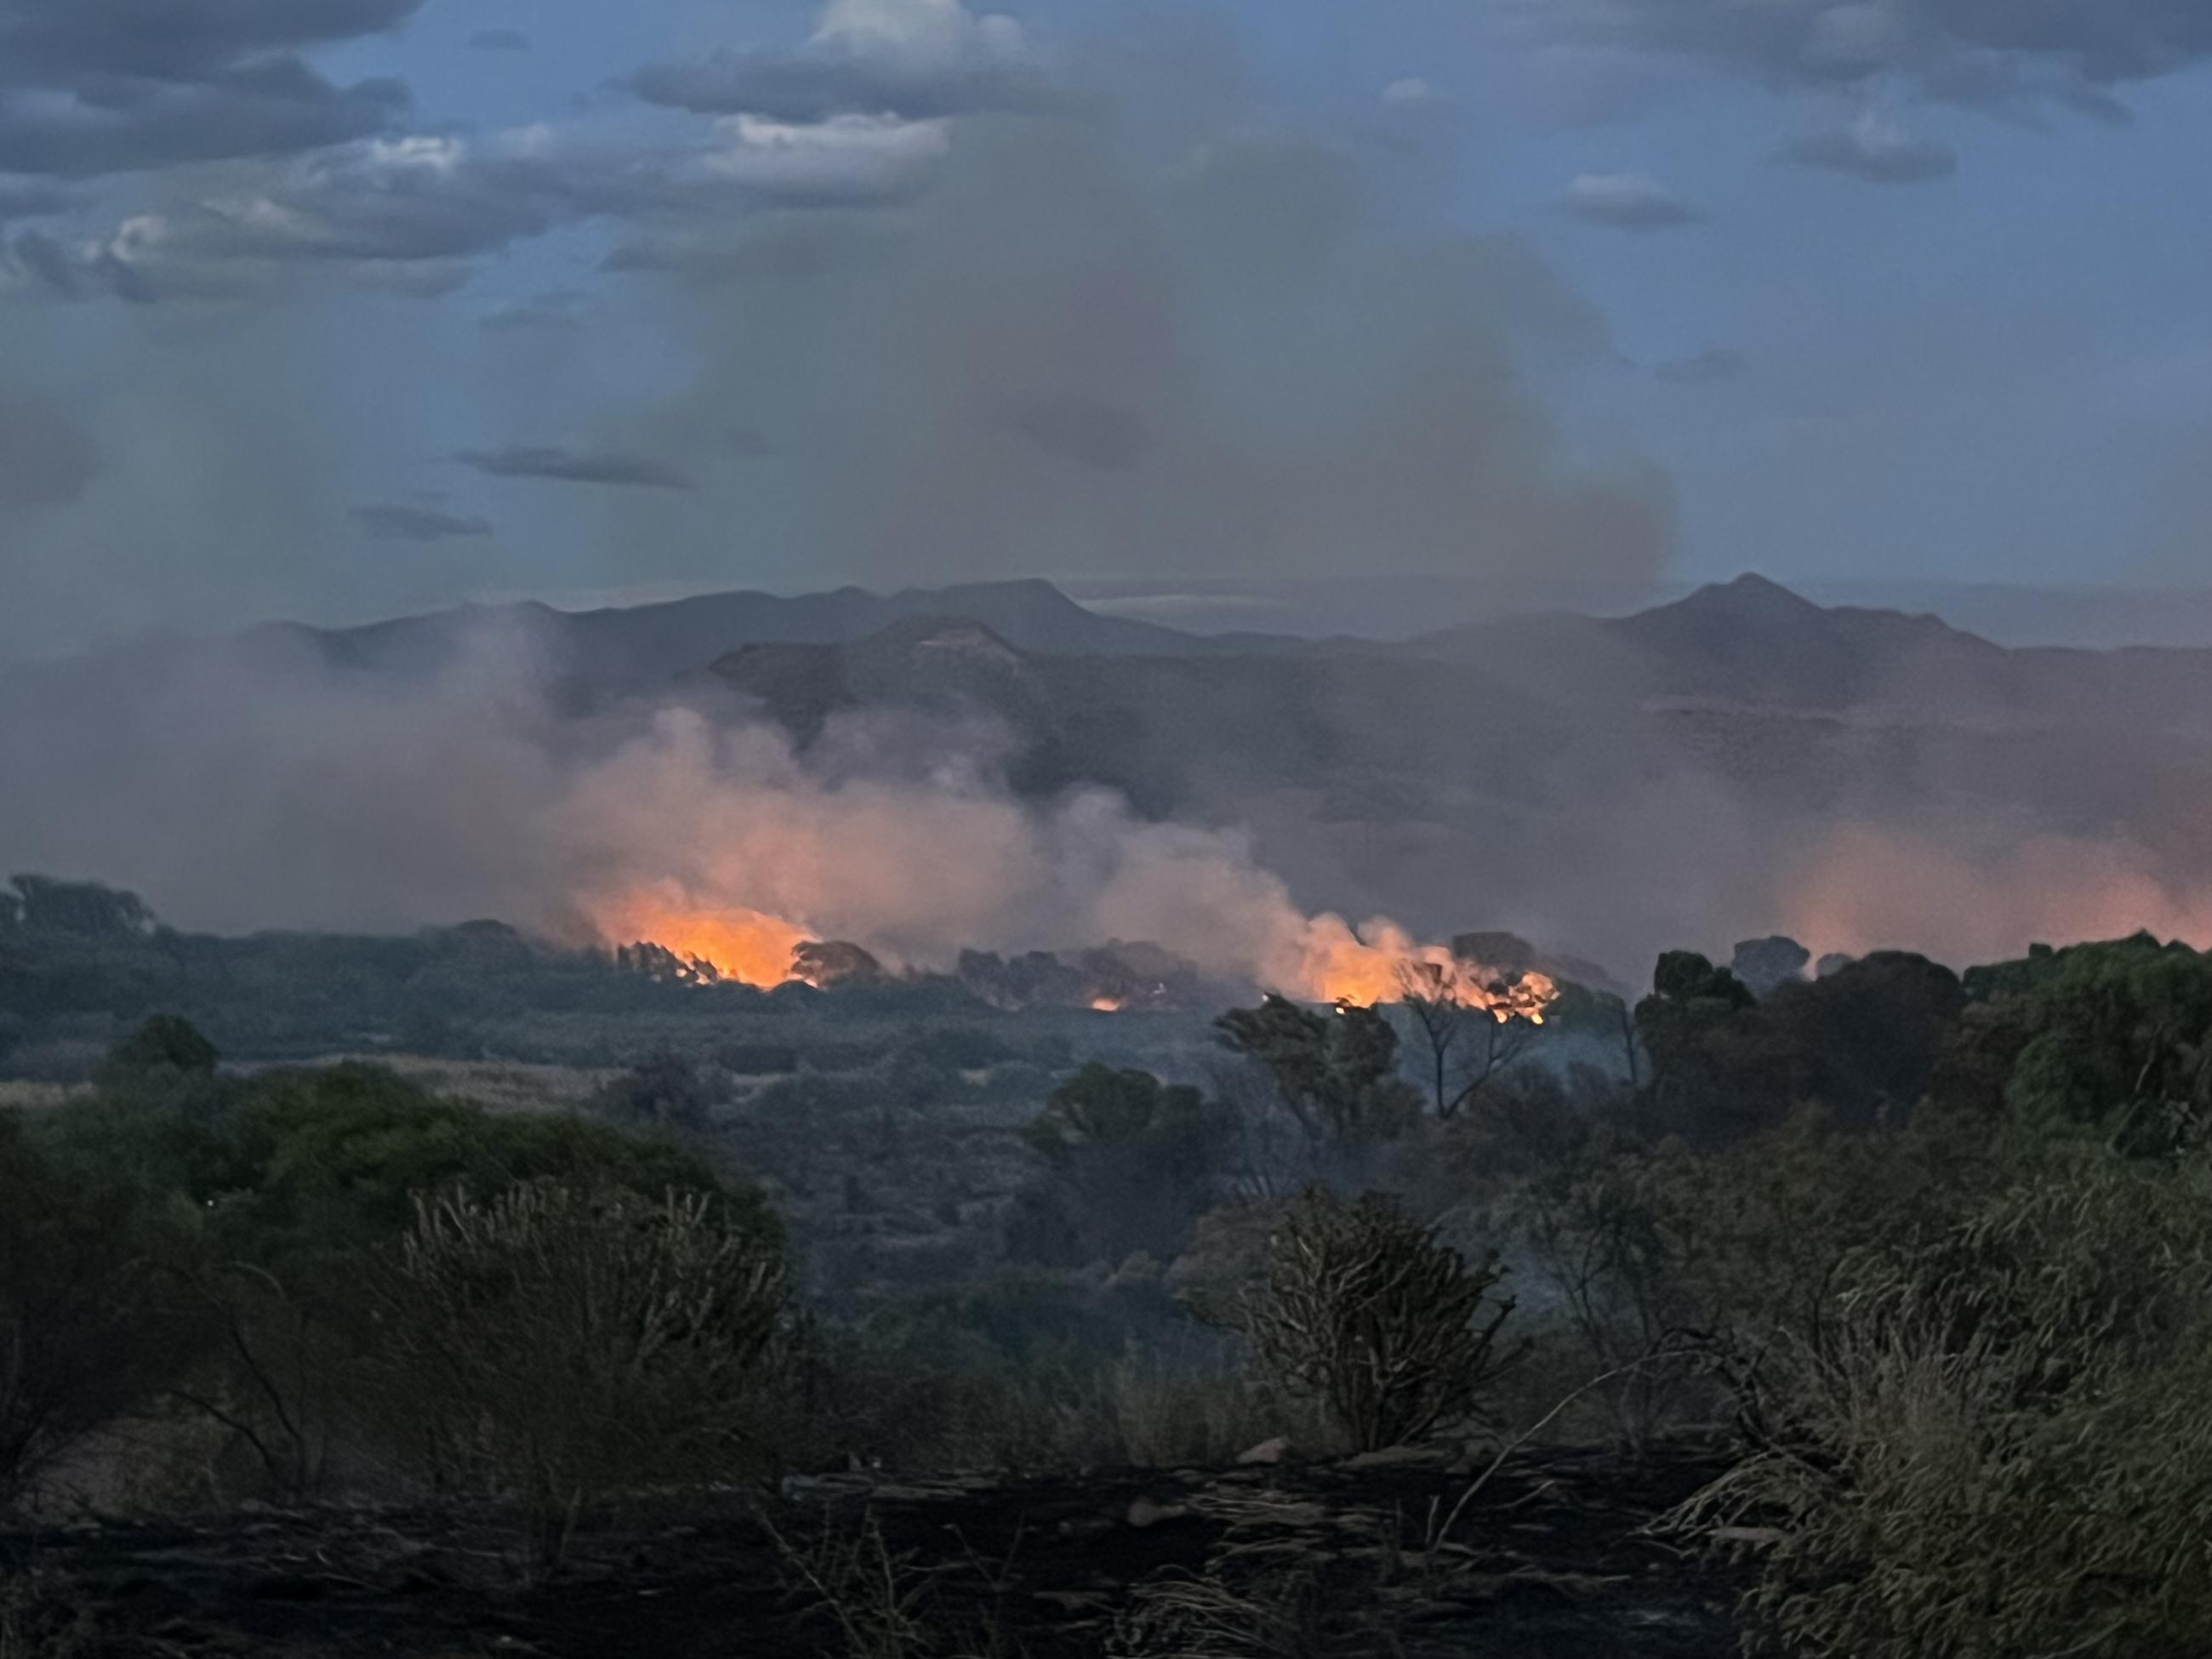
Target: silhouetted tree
[[1467, 1047], [1132, 1163], [664, 1092], [1336, 1073], [45, 904], [165, 1044]]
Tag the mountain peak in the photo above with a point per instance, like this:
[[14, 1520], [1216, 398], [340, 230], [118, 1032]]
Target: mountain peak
[[1752, 594]]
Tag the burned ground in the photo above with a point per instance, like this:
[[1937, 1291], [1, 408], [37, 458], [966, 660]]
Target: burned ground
[[1549, 1560]]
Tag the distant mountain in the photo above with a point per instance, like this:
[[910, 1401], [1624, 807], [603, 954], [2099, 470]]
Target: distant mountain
[[1593, 781], [619, 652], [1606, 785], [2026, 614], [1751, 644]]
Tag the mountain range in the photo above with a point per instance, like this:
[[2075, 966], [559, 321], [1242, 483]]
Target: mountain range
[[1738, 761]]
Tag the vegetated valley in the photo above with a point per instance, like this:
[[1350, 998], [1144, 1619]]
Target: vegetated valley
[[494, 1287]]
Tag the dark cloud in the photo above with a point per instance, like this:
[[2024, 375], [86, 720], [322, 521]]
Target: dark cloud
[[2017, 54], [46, 459], [1626, 201], [277, 108], [417, 524], [33, 198], [499, 40], [92, 87], [556, 461], [1876, 150], [1707, 367], [409, 215], [57, 40]]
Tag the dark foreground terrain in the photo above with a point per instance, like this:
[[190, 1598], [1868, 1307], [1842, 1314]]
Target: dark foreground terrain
[[1548, 1561]]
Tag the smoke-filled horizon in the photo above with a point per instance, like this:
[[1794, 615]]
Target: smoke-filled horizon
[[246, 789], [333, 312]]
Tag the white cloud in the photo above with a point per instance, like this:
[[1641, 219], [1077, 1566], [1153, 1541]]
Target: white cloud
[[857, 151], [940, 34], [1877, 149], [1627, 200]]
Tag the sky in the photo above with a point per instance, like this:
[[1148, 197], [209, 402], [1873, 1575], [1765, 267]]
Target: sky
[[333, 309]]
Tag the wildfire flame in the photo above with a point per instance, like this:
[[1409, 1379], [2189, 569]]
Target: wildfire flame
[[1382, 962], [740, 944], [1325, 959]]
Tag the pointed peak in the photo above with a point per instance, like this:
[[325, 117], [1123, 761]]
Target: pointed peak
[[1751, 585], [1750, 595]]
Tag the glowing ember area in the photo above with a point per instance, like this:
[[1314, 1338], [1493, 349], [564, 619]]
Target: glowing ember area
[[1322, 959], [1382, 962], [738, 944]]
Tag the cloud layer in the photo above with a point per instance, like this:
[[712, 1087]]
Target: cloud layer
[[2017, 56], [91, 87]]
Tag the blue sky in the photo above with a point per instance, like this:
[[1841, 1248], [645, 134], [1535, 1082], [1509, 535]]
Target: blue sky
[[910, 292]]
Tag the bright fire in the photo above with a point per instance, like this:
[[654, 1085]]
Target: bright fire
[[1326, 960], [738, 944], [1382, 962]]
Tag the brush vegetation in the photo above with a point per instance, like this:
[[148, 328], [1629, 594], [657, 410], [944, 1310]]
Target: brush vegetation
[[1931, 1255]]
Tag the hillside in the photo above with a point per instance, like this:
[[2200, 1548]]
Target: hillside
[[622, 651], [1751, 643], [1737, 762]]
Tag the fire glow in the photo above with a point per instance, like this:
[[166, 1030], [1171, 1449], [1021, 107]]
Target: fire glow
[[739, 944], [1382, 962], [1320, 959]]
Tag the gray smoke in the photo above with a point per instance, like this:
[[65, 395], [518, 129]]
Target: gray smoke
[[1086, 350]]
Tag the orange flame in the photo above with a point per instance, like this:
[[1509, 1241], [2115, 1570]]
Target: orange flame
[[1326, 960], [1382, 962], [745, 945]]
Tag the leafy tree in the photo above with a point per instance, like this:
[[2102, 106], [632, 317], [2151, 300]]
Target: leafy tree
[[46, 905], [665, 1092], [87, 1330], [1336, 1073], [1130, 1162], [166, 1045], [1686, 977], [1765, 965], [327, 1160], [2117, 1041], [1691, 1000], [1862, 1042]]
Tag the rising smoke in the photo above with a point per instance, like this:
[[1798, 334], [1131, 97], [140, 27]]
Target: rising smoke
[[245, 790], [1147, 331]]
